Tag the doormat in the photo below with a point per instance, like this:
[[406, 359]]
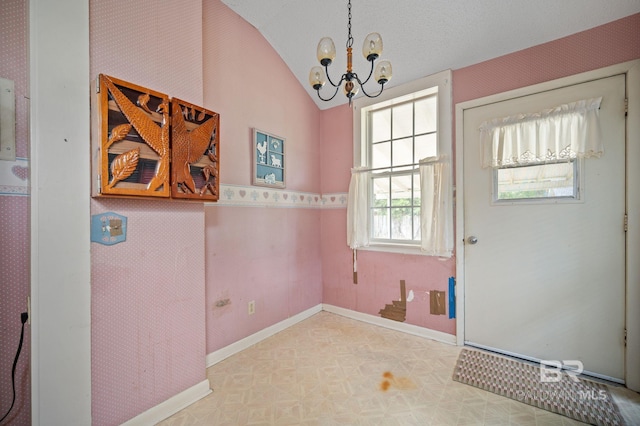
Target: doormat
[[560, 393]]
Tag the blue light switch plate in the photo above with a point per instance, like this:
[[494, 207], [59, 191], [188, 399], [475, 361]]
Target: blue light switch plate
[[108, 228]]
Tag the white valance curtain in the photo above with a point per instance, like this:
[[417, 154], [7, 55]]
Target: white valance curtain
[[358, 209], [558, 134], [436, 221]]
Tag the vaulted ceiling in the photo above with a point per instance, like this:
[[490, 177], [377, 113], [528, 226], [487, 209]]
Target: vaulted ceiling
[[421, 37]]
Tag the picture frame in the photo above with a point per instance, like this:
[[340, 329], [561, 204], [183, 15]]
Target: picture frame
[[269, 159]]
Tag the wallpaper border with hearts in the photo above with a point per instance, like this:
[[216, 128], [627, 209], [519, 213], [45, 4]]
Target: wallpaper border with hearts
[[14, 180], [253, 196], [14, 177]]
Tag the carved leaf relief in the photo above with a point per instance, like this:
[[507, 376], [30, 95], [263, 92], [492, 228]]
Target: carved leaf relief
[[124, 165], [118, 133]]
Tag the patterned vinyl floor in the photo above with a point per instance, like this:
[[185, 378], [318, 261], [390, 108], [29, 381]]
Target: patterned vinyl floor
[[332, 370]]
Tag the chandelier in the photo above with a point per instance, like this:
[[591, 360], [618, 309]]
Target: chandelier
[[371, 50]]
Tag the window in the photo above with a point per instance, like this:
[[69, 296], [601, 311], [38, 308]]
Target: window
[[536, 182], [400, 136], [392, 135], [535, 155]]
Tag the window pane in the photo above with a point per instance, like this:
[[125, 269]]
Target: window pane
[[401, 223], [401, 190], [381, 125], [401, 211], [540, 181], [381, 155], [426, 116], [380, 219], [381, 192], [426, 146], [402, 152], [416, 224], [402, 121]]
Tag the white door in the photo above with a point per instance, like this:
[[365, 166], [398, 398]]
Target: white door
[[545, 280]]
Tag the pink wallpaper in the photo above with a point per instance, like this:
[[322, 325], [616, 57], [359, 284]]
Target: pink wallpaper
[[379, 276], [154, 44], [14, 50], [147, 316], [337, 153], [247, 82], [14, 289], [14, 226], [148, 323], [270, 255], [609, 44]]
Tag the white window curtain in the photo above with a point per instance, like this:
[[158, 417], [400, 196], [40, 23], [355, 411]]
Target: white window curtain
[[357, 209], [558, 134], [436, 210]]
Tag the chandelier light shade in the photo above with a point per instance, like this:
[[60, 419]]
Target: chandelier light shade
[[350, 82]]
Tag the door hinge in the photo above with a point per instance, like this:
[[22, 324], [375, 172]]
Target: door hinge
[[625, 337], [626, 222], [626, 106]]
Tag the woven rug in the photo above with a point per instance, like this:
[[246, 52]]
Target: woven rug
[[573, 397]]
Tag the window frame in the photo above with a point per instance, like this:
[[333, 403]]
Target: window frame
[[578, 186], [440, 83]]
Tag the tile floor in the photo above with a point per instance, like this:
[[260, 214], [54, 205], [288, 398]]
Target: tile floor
[[332, 370]]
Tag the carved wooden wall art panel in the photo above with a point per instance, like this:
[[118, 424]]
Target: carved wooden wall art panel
[[133, 155], [148, 145], [195, 150]]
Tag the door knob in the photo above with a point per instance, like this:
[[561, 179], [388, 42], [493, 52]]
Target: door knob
[[472, 239]]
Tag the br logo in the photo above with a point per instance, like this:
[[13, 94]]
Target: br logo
[[551, 370]]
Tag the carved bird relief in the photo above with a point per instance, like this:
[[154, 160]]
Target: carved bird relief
[[157, 137], [189, 146]]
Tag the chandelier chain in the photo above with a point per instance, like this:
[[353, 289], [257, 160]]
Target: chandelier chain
[[350, 38]]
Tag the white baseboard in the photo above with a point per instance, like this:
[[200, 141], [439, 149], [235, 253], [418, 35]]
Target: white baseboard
[[221, 354], [234, 348], [393, 325], [171, 406]]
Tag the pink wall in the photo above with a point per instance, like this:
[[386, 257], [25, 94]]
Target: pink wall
[[379, 276], [270, 255], [380, 273], [336, 159], [148, 322], [608, 44], [14, 226], [247, 82]]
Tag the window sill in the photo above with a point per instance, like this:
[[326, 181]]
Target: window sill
[[394, 248]]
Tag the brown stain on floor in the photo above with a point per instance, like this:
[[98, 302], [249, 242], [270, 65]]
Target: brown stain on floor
[[401, 383]]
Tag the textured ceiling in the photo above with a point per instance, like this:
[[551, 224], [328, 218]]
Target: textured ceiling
[[421, 37]]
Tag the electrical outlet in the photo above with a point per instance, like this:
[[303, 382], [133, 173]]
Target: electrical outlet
[[252, 307]]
